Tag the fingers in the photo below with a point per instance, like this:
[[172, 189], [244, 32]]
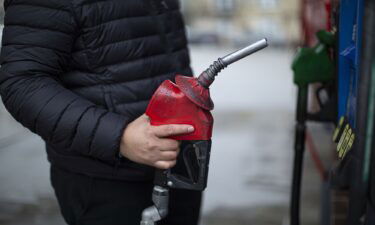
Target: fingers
[[164, 165], [168, 145], [168, 156], [168, 150], [163, 150], [172, 130], [166, 160]]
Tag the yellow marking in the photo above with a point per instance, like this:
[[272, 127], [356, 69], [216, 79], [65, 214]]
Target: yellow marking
[[338, 128], [350, 144], [342, 138], [345, 143]]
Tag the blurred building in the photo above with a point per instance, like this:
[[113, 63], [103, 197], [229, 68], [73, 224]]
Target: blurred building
[[239, 21], [243, 20], [1, 11]]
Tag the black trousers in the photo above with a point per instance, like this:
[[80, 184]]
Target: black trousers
[[85, 200]]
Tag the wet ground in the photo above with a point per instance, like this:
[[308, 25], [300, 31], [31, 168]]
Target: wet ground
[[250, 169]]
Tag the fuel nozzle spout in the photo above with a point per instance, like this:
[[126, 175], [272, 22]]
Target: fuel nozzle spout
[[208, 76], [197, 89]]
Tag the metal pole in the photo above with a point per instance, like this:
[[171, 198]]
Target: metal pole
[[299, 148]]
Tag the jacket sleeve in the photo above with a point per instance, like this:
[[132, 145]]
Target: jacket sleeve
[[36, 49]]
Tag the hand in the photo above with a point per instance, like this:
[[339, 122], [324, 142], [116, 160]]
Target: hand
[[150, 145]]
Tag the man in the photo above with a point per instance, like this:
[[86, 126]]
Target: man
[[80, 73]]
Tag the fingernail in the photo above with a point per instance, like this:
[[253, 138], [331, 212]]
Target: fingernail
[[190, 129]]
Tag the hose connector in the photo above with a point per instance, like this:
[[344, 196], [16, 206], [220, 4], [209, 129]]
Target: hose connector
[[152, 214]]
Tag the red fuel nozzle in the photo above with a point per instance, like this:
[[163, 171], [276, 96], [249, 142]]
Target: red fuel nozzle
[[187, 101], [197, 89]]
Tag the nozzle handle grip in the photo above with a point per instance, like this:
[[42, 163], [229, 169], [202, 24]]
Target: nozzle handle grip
[[196, 179]]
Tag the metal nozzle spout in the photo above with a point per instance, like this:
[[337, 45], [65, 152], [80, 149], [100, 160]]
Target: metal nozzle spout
[[242, 53], [208, 76]]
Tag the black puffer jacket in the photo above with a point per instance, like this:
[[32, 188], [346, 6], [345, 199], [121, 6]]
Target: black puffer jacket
[[76, 72]]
